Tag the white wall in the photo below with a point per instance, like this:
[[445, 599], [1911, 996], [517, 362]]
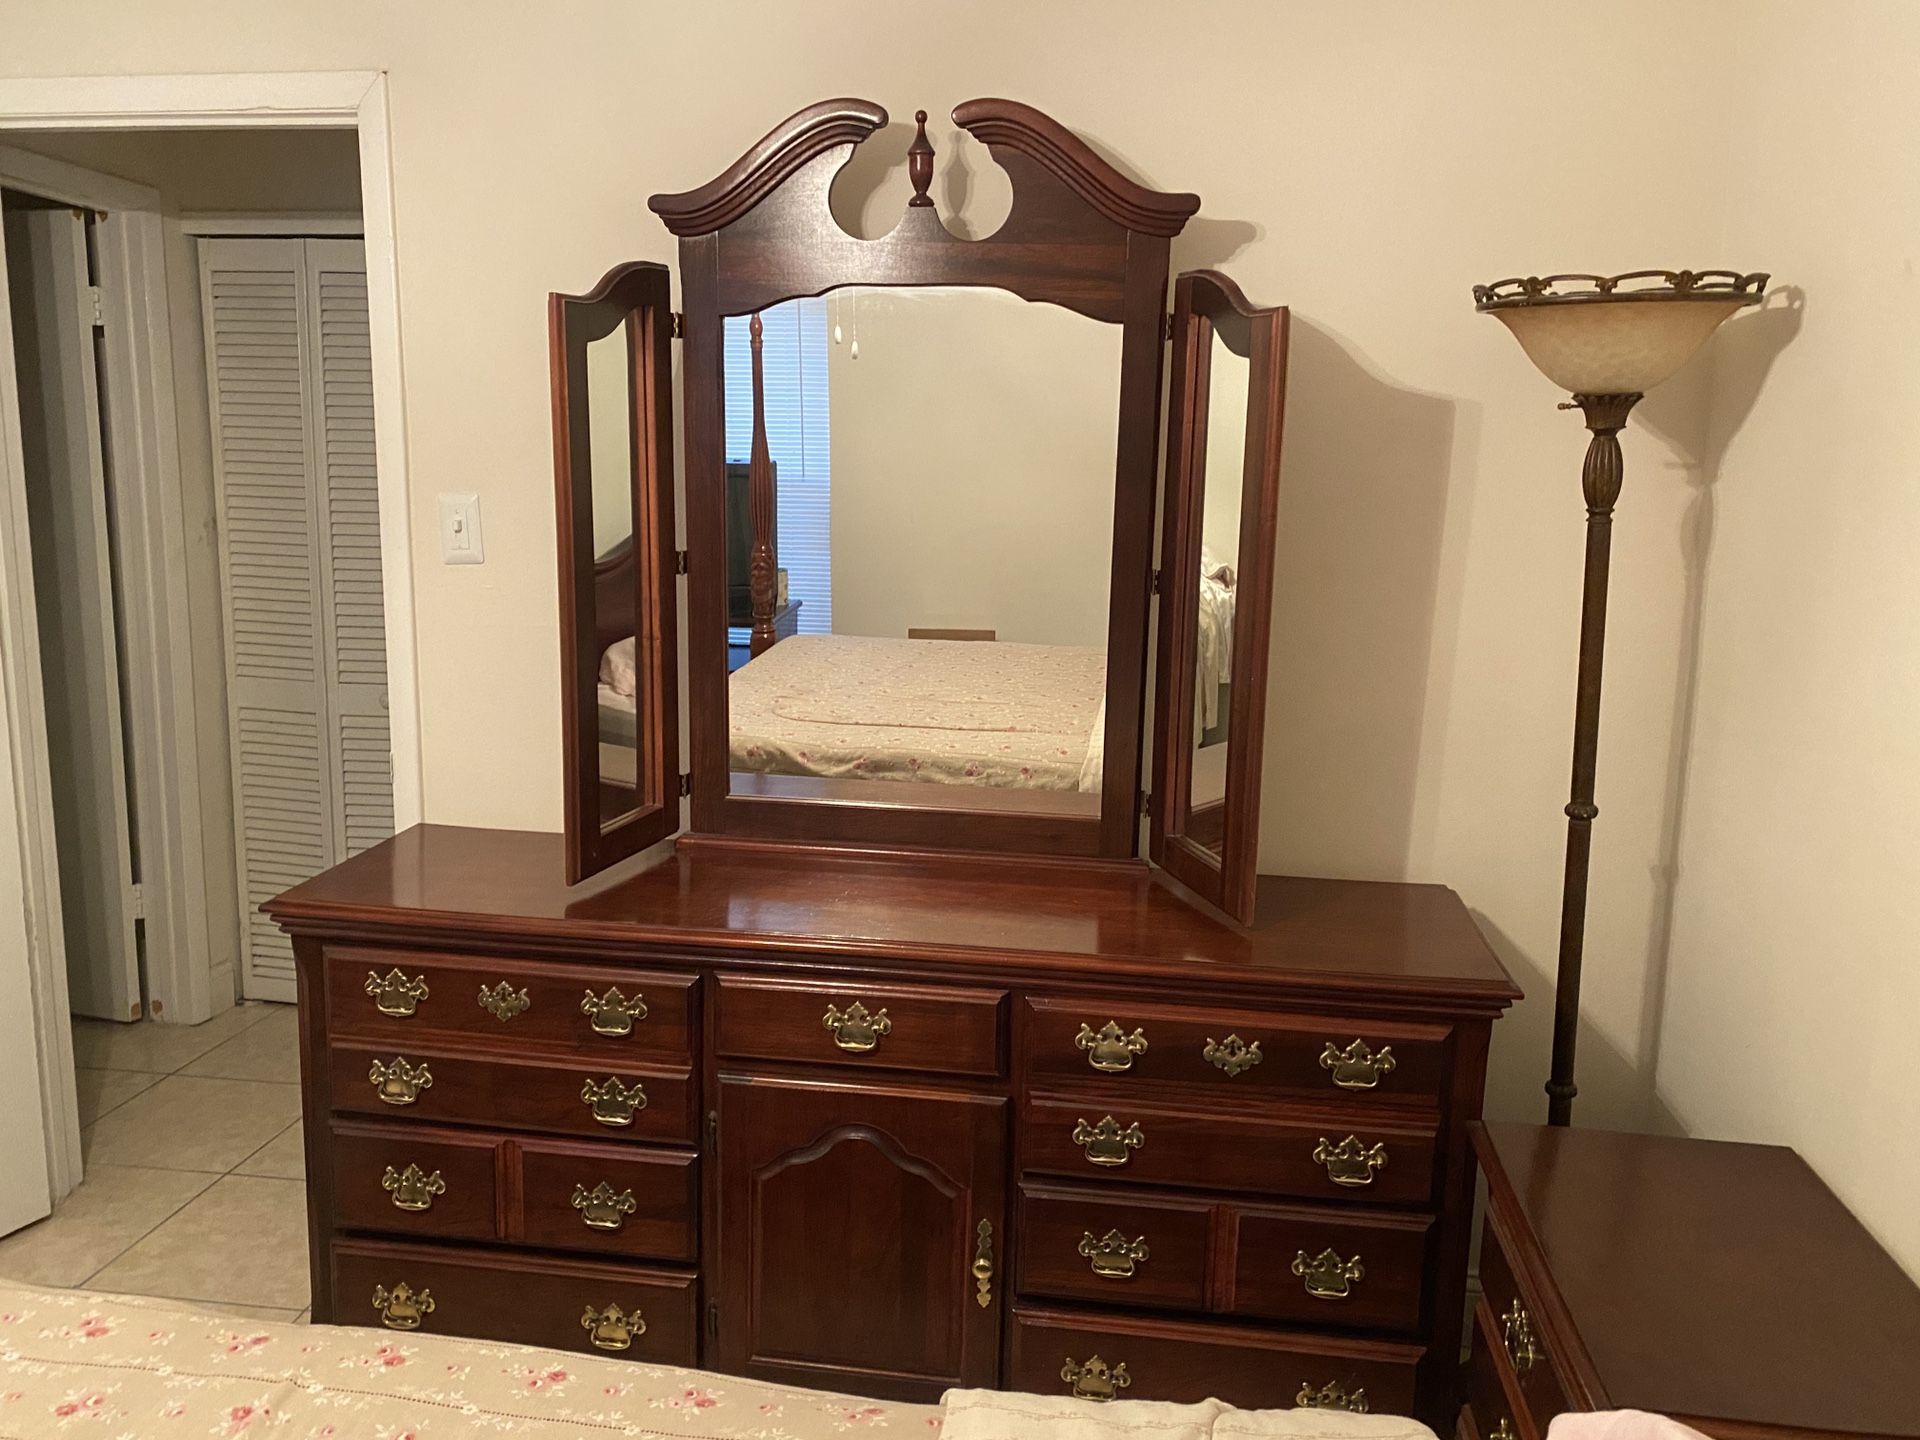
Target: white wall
[[973, 455], [1364, 164], [1792, 986]]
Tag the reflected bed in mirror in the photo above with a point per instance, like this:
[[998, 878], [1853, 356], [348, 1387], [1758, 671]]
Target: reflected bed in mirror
[[936, 528]]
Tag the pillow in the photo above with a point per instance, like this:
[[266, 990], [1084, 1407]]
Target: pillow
[[617, 667], [1005, 1415]]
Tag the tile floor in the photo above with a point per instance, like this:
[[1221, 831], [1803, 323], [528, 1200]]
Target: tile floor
[[195, 1185]]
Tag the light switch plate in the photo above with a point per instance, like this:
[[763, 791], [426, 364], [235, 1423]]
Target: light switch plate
[[460, 541]]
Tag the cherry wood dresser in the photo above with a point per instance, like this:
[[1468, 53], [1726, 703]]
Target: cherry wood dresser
[[887, 1124], [1720, 1284]]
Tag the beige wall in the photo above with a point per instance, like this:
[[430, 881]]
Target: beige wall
[[973, 449], [310, 171], [1364, 164]]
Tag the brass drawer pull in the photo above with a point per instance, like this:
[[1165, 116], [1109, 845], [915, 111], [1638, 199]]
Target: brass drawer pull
[[612, 1102], [612, 1013], [401, 1082], [1503, 1431], [613, 1328], [1359, 1066], [983, 1265], [1095, 1380], [396, 995], [412, 1188], [400, 1308], [1331, 1396], [1349, 1162], [1113, 1256], [601, 1208], [1110, 1050], [1516, 1330], [854, 1029], [1232, 1055], [1106, 1143], [503, 1002], [1328, 1277]]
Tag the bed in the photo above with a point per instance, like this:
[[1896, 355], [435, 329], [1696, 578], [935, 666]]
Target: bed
[[75, 1363]]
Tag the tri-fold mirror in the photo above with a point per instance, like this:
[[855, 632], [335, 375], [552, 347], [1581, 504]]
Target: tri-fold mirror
[[920, 484]]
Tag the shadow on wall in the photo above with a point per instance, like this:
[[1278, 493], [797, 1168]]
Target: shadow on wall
[[1363, 499]]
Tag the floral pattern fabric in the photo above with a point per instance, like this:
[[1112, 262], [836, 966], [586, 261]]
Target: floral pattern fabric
[[82, 1365], [968, 712]]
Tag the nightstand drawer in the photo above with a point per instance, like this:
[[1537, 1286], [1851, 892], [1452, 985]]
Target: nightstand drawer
[[1096, 1356], [1242, 1054], [395, 996], [414, 1181], [578, 1097], [1517, 1341], [610, 1199], [889, 1027], [1114, 1248], [566, 1304], [1289, 1151]]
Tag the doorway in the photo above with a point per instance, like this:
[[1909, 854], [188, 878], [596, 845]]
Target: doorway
[[137, 1083]]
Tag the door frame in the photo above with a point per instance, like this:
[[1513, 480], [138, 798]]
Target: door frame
[[132, 252]]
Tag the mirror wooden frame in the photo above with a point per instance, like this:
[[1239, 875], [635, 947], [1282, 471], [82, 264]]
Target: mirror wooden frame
[[1078, 234], [1205, 304], [630, 591]]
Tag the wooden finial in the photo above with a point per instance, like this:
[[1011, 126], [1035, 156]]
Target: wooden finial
[[920, 162]]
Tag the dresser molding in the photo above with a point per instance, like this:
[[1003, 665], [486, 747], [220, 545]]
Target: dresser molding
[[858, 1038]]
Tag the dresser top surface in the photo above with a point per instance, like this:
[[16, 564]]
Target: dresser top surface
[[438, 880], [1714, 1280]]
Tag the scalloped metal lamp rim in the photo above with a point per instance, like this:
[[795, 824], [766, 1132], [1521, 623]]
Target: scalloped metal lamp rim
[[1721, 286]]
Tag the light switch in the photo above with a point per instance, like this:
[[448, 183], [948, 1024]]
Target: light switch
[[460, 542]]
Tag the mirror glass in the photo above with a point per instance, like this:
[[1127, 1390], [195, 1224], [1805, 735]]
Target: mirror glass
[[941, 546], [1226, 425], [610, 462]]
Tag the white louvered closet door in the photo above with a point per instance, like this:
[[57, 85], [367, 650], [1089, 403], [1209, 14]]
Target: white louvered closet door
[[291, 395]]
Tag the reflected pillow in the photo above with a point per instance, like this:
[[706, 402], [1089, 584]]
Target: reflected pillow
[[616, 667]]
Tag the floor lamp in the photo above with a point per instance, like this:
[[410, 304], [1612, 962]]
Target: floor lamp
[[1606, 340]]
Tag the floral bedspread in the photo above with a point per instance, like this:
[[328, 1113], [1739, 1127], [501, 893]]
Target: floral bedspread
[[966, 712], [83, 1365]]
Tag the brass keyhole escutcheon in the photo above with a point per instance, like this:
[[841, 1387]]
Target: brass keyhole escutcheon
[[612, 1013], [1111, 1050], [401, 1082], [503, 1002], [1350, 1162], [983, 1264], [600, 1208], [1232, 1056], [412, 1188], [612, 1328], [855, 1029], [400, 1308], [1096, 1379], [612, 1102], [1108, 1143]]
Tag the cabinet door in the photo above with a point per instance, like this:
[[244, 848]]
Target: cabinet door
[[861, 1235]]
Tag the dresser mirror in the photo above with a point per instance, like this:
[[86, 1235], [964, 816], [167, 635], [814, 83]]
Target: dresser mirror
[[943, 497], [922, 477], [613, 435], [1222, 477]]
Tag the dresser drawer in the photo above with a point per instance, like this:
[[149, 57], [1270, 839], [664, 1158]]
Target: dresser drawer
[[1113, 1248], [1327, 1267], [1234, 1053], [609, 1199], [429, 1083], [613, 1015], [1518, 1343], [888, 1027], [1056, 1352], [1294, 1151], [569, 1305], [413, 1180]]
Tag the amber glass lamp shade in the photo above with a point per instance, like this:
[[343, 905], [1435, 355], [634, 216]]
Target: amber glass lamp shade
[[1616, 334]]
